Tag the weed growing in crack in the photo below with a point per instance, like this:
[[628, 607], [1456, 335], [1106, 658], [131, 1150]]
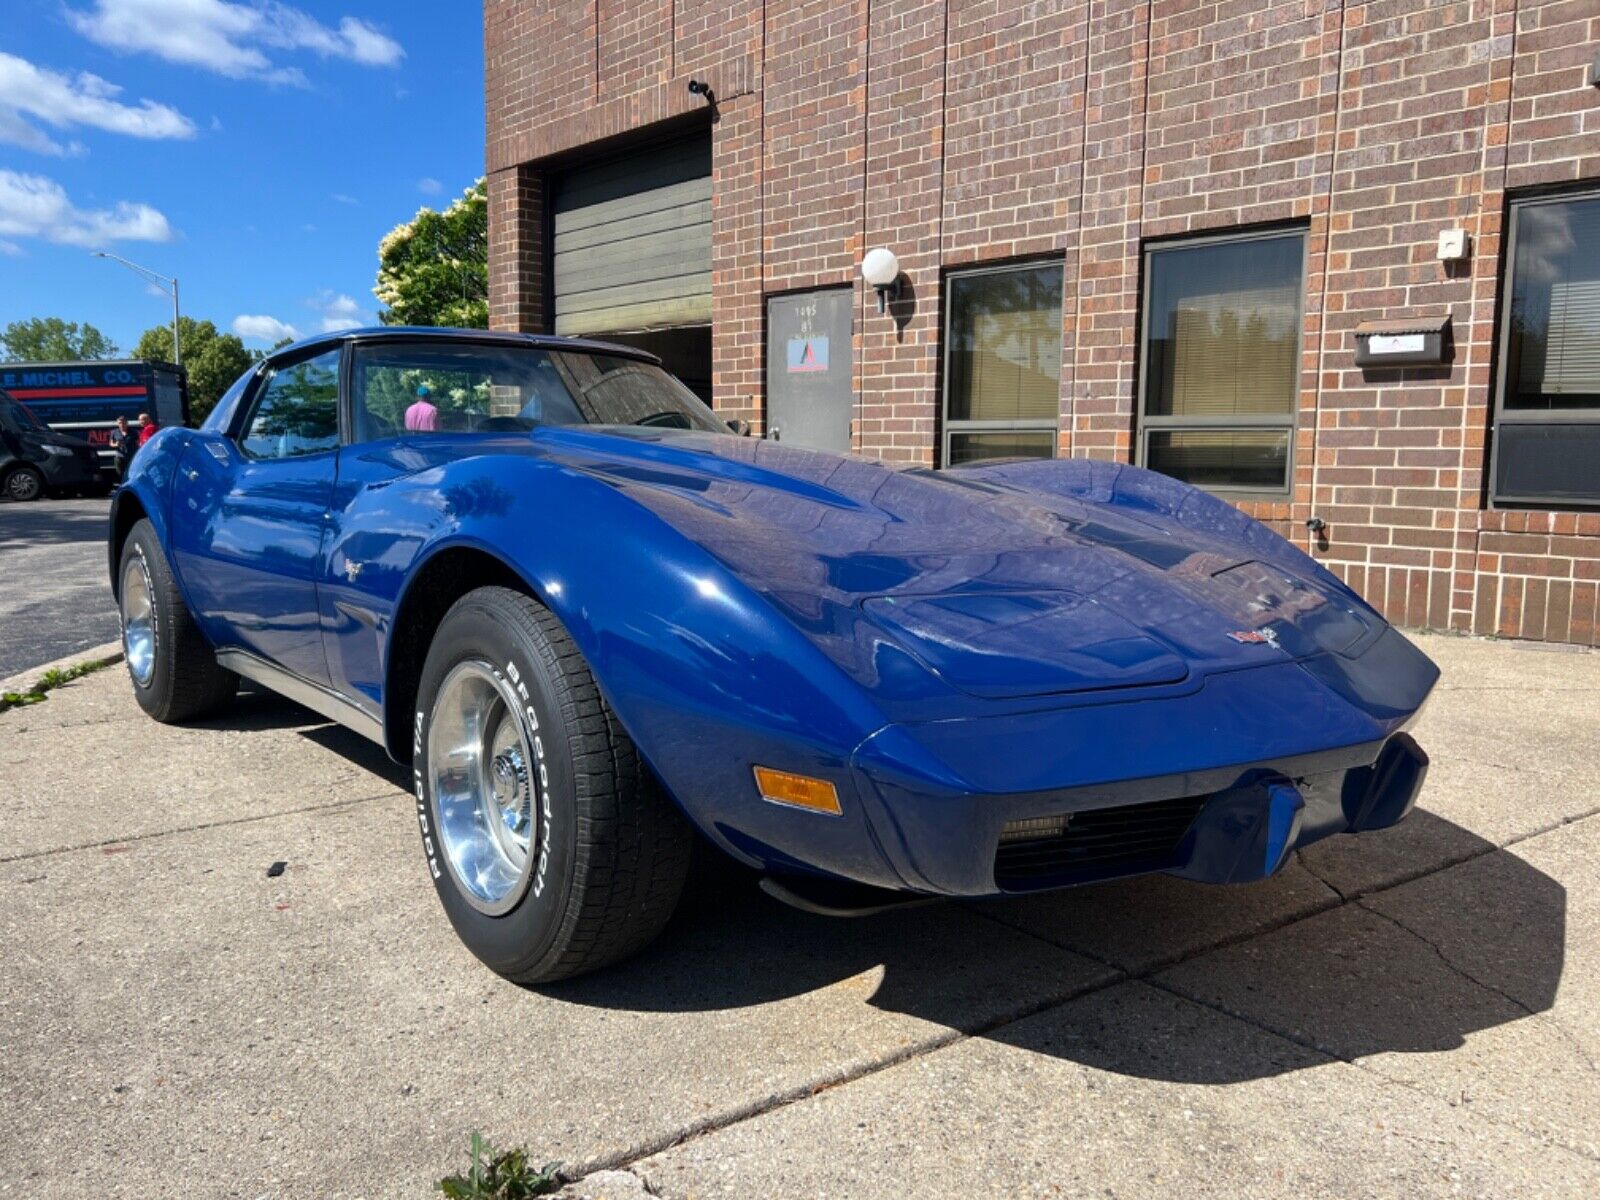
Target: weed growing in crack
[[53, 678], [506, 1175]]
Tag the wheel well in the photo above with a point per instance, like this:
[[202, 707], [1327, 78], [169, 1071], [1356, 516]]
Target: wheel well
[[127, 513], [443, 579]]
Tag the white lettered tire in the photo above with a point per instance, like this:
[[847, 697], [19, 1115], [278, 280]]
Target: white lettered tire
[[553, 848], [172, 667]]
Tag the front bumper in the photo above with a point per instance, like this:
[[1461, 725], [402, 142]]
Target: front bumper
[[1219, 784], [69, 470]]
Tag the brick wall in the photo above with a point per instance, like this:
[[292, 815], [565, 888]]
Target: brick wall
[[962, 132]]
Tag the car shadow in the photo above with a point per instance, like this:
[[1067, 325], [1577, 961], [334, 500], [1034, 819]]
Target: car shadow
[[36, 524], [1414, 967], [257, 710], [1339, 978]]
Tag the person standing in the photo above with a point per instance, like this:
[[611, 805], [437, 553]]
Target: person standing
[[147, 428], [422, 416], [124, 441]]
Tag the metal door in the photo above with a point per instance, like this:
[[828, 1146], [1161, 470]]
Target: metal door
[[810, 375]]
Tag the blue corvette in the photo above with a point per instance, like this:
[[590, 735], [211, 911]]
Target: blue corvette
[[592, 620]]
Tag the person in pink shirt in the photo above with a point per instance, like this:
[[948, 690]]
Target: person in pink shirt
[[422, 416]]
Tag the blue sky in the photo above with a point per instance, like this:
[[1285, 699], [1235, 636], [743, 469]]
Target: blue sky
[[256, 150]]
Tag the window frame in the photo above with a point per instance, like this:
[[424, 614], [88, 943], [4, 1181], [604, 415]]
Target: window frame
[[1498, 413], [245, 413], [1145, 425], [947, 427]]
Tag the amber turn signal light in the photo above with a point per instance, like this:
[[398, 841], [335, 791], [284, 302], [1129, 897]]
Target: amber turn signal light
[[798, 791]]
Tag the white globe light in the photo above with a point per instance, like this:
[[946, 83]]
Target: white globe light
[[880, 267]]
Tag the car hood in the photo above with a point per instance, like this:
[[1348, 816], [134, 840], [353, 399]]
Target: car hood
[[65, 440], [1004, 581]]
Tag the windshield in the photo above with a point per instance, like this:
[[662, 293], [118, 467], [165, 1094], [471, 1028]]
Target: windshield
[[21, 414], [420, 388]]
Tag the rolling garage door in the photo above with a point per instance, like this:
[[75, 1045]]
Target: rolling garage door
[[632, 242]]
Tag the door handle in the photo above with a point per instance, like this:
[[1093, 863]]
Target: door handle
[[776, 434]]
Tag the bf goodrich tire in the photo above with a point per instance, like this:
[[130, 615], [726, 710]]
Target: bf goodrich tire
[[171, 665], [552, 846]]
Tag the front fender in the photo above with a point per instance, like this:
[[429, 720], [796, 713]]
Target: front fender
[[148, 488], [707, 679]]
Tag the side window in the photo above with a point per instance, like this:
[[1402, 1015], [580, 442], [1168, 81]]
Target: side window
[[297, 410]]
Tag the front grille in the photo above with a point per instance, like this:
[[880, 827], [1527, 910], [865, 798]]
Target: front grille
[[1097, 844]]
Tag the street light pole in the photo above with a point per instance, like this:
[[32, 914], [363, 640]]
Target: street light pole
[[168, 284]]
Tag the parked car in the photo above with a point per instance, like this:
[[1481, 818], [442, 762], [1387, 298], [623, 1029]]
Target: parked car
[[593, 621], [35, 460], [85, 399]]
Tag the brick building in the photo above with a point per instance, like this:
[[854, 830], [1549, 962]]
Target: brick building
[[1159, 231]]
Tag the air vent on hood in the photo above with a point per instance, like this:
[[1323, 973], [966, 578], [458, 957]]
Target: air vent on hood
[[1007, 644]]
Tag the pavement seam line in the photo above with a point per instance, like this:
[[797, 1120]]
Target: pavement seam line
[[29, 855], [1457, 969], [625, 1159], [1333, 1055]]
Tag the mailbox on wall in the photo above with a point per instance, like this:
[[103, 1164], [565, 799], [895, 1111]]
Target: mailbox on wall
[[1403, 342]]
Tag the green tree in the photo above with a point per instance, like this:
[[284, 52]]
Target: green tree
[[212, 359], [50, 339], [434, 270]]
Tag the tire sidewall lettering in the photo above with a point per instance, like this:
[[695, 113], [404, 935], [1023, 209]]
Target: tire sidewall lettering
[[423, 790], [155, 619], [546, 812]]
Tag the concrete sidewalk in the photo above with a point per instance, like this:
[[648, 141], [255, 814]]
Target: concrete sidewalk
[[1415, 1012]]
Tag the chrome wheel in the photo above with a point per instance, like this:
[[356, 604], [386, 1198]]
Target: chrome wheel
[[138, 620], [484, 778]]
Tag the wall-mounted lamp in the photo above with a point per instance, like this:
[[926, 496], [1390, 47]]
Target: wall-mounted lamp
[[881, 269], [699, 87]]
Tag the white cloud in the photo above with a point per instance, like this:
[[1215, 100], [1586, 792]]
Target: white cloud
[[338, 311], [10, 249], [429, 186], [63, 101], [264, 329], [342, 198], [32, 206], [231, 38]]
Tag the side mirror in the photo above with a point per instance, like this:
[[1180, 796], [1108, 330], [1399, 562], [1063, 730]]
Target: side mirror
[[740, 426]]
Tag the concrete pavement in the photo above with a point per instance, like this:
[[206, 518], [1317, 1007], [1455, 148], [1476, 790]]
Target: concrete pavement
[[1406, 1013], [57, 594]]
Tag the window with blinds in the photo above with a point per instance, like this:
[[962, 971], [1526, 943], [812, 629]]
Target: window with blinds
[[1221, 360], [1002, 363], [1546, 447], [1555, 306]]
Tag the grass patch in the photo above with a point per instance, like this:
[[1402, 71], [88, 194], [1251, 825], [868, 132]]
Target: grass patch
[[53, 678], [506, 1175]]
